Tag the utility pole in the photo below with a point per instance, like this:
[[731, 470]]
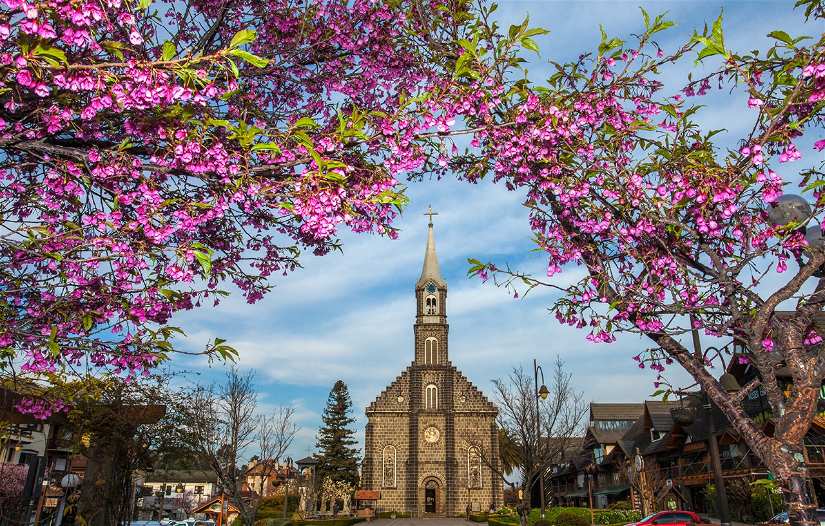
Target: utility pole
[[713, 444]]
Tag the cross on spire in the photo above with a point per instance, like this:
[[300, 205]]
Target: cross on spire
[[430, 213]]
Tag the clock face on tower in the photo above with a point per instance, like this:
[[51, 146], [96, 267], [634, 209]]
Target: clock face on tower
[[431, 288], [431, 435]]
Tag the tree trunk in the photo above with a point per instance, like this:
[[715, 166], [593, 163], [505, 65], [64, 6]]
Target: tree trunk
[[801, 509]]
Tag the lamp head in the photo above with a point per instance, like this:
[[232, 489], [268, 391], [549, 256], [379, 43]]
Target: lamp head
[[789, 208], [543, 392], [816, 241], [70, 480]]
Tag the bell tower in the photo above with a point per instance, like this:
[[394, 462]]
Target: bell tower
[[431, 307]]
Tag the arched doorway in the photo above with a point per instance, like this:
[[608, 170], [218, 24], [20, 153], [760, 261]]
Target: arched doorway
[[431, 496]]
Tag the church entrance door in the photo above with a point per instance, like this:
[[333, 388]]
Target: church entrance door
[[429, 497]]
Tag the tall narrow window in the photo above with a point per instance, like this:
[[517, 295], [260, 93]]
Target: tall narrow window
[[388, 467], [431, 398], [473, 468], [431, 305], [431, 351]]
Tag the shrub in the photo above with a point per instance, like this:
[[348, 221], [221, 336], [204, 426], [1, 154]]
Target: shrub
[[621, 505], [542, 522], [572, 517]]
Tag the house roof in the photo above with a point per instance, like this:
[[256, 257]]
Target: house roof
[[307, 461], [568, 447], [600, 411], [660, 416], [181, 475], [207, 506]]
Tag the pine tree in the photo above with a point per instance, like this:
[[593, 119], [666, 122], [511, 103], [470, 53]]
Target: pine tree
[[337, 459]]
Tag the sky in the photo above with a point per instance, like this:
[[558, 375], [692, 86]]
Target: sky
[[349, 315]]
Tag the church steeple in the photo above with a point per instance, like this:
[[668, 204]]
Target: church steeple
[[431, 312], [430, 271]]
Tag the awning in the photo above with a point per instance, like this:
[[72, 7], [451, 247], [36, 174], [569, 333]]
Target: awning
[[612, 491], [581, 493], [365, 494]]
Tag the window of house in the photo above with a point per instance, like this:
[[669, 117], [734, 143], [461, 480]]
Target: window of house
[[598, 455], [431, 351], [198, 490], [168, 489], [431, 398]]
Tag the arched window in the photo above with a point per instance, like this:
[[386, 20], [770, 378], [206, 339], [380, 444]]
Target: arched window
[[473, 468], [431, 397], [431, 351], [431, 305], [388, 467]]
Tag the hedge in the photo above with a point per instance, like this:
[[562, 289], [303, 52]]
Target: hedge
[[478, 517], [601, 516], [329, 522], [501, 521]]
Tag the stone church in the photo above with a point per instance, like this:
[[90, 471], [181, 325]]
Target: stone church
[[431, 443]]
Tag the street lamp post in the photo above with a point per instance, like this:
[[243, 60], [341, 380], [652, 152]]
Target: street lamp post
[[713, 443], [541, 393], [590, 470], [69, 482], [286, 484]]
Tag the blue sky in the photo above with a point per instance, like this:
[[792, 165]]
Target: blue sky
[[350, 315]]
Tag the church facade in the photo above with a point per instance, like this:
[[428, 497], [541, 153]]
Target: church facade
[[431, 444]]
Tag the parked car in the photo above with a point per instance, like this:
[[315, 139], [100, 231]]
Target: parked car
[[783, 518], [668, 517]]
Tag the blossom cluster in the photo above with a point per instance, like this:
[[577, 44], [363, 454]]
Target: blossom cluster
[[144, 168]]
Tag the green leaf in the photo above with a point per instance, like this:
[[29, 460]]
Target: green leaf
[[234, 68], [529, 43], [716, 33], [246, 56], [168, 50], [52, 55], [87, 321], [814, 185], [204, 257], [783, 36], [144, 4], [266, 146], [305, 122], [536, 31], [244, 36], [114, 48], [646, 17]]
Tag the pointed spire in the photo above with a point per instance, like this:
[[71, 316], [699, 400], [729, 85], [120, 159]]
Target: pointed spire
[[431, 271]]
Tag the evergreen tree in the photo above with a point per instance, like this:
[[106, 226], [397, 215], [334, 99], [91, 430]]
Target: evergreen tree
[[337, 459]]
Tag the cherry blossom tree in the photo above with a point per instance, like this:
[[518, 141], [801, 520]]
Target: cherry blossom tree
[[673, 232], [154, 151]]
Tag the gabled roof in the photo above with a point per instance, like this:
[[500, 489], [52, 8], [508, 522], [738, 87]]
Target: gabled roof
[[207, 506], [660, 416], [600, 411]]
